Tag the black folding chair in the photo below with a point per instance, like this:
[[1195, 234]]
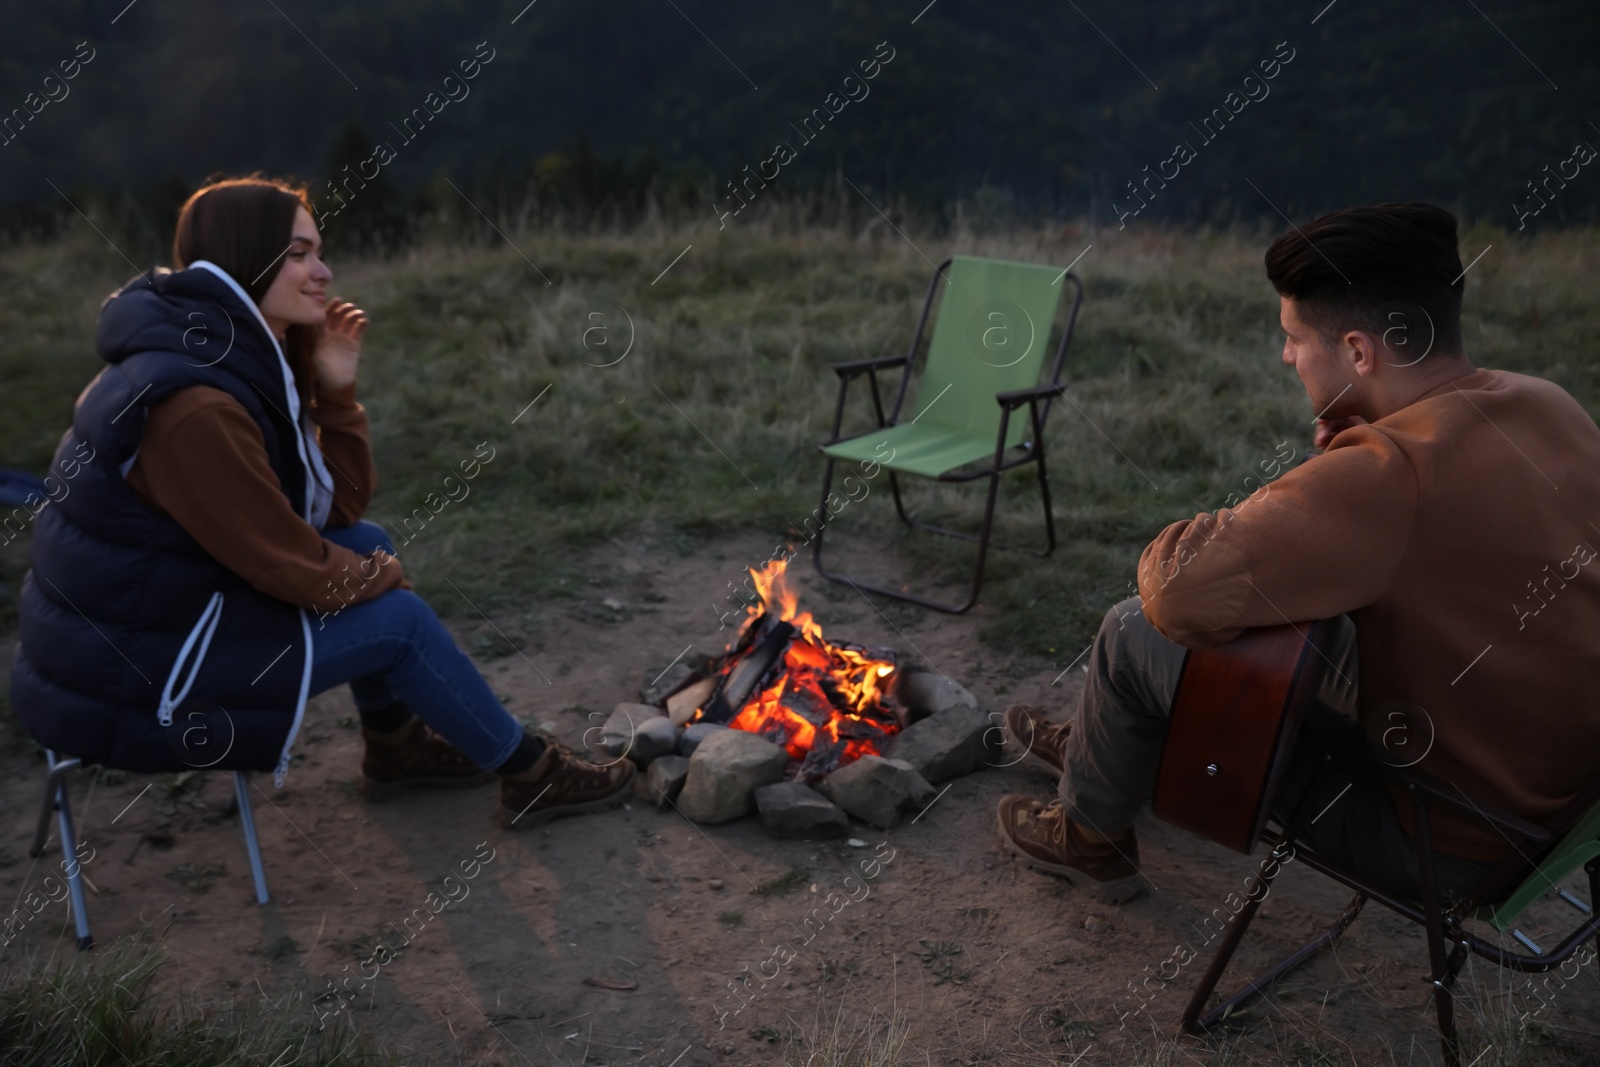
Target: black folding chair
[[1543, 856]]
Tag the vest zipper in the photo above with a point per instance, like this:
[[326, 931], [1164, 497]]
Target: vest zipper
[[209, 618], [281, 771], [311, 465]]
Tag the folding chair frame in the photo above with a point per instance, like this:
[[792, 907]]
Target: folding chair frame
[[1443, 925], [1037, 398], [55, 799]]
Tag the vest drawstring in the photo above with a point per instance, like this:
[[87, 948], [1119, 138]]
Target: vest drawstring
[[209, 619], [281, 771]]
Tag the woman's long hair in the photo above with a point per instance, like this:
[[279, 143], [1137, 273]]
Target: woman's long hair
[[243, 225]]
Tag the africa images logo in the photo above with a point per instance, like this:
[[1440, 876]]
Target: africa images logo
[[1001, 333], [202, 734]]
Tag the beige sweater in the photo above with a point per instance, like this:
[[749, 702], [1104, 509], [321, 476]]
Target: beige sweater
[[1460, 534]]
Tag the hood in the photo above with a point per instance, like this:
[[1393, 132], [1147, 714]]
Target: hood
[[200, 313]]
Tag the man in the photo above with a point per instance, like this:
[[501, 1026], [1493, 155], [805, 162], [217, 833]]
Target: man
[[1453, 517]]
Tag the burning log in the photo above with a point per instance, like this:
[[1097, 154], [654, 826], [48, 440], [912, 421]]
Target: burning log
[[827, 703], [766, 639], [682, 705], [821, 761], [785, 708]]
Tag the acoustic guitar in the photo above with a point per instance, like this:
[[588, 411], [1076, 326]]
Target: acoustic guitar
[[1234, 721]]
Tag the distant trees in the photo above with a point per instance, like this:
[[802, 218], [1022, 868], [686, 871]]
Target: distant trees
[[614, 109], [356, 211]]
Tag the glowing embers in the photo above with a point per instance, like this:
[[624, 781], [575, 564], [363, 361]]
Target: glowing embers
[[827, 703]]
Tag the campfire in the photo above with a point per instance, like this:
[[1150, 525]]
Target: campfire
[[827, 703], [806, 730]]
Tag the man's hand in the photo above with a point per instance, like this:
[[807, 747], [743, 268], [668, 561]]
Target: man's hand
[[339, 344], [1327, 428]]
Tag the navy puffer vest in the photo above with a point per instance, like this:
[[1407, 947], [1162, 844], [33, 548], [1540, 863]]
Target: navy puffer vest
[[138, 649]]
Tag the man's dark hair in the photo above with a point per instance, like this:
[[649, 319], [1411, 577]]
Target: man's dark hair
[[1390, 269]]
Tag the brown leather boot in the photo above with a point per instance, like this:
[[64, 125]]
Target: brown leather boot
[[1044, 838], [1035, 737], [561, 783], [414, 756]]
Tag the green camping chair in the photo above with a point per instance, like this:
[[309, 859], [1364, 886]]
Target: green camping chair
[[1544, 855], [985, 361]]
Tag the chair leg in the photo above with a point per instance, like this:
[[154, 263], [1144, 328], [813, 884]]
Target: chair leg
[[963, 535], [861, 584], [1193, 1021], [1442, 966], [899, 506], [1593, 870], [247, 823], [822, 531], [822, 528], [1049, 516], [69, 847], [55, 771], [1445, 1004], [55, 796], [983, 539]]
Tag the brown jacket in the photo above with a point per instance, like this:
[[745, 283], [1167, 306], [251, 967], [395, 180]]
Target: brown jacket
[[1460, 534], [202, 461]]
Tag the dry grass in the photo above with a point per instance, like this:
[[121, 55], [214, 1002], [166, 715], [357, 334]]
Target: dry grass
[[710, 422], [88, 1010]]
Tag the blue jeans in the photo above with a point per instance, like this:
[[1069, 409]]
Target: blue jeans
[[393, 647]]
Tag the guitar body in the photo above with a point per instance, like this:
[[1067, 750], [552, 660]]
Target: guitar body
[[1234, 721]]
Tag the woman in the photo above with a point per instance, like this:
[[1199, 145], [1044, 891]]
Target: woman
[[209, 569]]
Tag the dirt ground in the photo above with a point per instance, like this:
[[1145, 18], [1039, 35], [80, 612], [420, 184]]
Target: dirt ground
[[984, 961]]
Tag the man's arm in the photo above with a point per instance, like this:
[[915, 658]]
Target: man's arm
[[1324, 539]]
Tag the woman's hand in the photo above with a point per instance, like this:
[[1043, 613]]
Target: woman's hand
[[339, 345]]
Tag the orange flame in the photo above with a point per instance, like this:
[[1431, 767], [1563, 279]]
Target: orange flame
[[814, 666], [772, 586]]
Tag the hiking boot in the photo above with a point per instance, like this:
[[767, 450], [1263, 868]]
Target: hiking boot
[[414, 756], [1044, 838], [1038, 739], [561, 783]]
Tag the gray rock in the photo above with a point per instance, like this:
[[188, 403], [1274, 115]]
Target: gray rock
[[662, 683], [664, 780], [652, 738], [792, 810], [695, 733], [877, 790], [724, 771], [931, 693], [958, 740], [617, 736]]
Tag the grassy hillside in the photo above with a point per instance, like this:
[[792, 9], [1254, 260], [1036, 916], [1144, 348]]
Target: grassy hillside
[[1177, 384]]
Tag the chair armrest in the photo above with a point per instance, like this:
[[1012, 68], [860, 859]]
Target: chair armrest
[[1440, 794], [853, 367], [1018, 397], [849, 372]]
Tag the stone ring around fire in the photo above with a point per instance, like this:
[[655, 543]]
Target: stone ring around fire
[[598, 745]]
